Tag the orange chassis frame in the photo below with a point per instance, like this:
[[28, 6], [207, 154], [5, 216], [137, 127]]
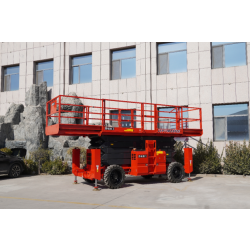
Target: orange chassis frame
[[143, 162]]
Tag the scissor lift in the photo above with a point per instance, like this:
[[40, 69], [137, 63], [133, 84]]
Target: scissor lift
[[126, 137]]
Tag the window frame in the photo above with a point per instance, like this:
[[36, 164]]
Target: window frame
[[71, 68], [166, 53], [116, 60], [225, 117], [223, 55], [3, 77], [168, 119], [35, 70], [113, 114]]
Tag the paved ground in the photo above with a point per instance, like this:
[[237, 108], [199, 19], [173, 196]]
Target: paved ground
[[47, 191]]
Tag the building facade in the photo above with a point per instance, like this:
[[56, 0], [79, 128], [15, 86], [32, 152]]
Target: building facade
[[213, 76]]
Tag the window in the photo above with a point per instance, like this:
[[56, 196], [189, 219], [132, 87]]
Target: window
[[171, 123], [11, 78], [231, 122], [123, 64], [126, 116], [172, 58], [82, 69], [44, 73], [225, 54]]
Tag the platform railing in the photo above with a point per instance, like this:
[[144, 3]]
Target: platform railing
[[110, 114]]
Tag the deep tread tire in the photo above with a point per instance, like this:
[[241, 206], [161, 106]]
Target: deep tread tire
[[114, 177], [89, 181], [175, 172], [147, 176], [15, 170]]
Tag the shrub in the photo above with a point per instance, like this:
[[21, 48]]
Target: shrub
[[179, 154], [55, 167], [7, 151], [206, 159], [83, 154], [30, 166], [237, 159], [41, 155]]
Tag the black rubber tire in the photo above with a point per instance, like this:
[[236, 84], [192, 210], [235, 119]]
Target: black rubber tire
[[147, 176], [175, 172], [114, 177], [15, 170], [89, 181]]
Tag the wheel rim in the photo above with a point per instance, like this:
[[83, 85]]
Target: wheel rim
[[15, 170], [177, 172], [116, 177]]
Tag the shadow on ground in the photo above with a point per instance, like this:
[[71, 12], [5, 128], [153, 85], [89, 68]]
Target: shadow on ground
[[6, 177], [130, 181]]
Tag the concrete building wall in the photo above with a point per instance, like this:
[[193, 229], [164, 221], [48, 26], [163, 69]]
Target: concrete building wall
[[200, 86]]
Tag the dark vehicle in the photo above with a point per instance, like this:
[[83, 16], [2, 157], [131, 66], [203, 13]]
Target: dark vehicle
[[11, 165]]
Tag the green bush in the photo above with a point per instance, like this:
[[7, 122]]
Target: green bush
[[41, 155], [7, 151], [179, 154], [237, 159], [206, 159], [30, 166], [83, 154], [55, 167]]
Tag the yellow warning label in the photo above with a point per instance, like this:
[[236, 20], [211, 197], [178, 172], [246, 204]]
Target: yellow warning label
[[159, 152], [129, 130]]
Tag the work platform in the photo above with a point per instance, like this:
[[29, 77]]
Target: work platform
[[114, 117]]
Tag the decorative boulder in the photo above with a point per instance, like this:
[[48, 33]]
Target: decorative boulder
[[13, 113]]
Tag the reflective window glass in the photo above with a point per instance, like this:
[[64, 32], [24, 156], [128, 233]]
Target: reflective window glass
[[123, 64], [75, 75], [172, 58], [165, 115], [219, 128], [162, 64], [44, 72], [235, 54], [126, 119], [82, 69], [14, 82], [178, 62], [232, 109], [231, 122], [122, 54], [11, 78], [48, 77], [217, 57], [228, 54], [170, 47], [44, 65], [128, 68], [79, 60], [237, 128], [86, 73], [219, 43], [116, 70], [11, 70]]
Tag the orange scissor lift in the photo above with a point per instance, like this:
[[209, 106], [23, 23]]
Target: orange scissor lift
[[126, 137]]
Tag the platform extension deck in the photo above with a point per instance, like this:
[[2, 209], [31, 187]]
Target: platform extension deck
[[113, 117]]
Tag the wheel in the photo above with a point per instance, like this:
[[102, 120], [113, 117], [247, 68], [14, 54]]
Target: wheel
[[89, 181], [147, 176], [114, 176], [15, 170], [175, 172]]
